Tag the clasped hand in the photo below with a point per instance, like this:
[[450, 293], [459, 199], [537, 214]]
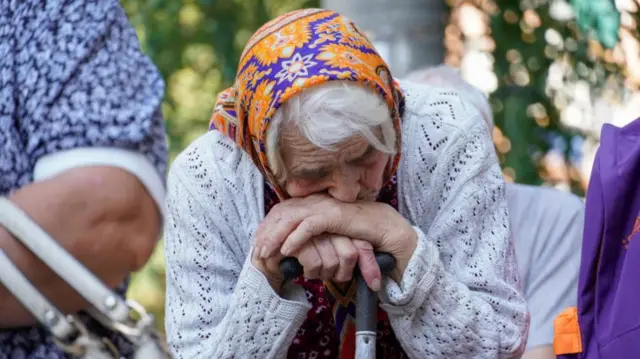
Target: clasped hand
[[330, 237]]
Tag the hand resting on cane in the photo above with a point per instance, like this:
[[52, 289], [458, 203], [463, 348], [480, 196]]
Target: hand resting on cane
[[328, 257], [318, 230]]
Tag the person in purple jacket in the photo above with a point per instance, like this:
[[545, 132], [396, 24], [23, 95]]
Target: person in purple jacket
[[606, 322]]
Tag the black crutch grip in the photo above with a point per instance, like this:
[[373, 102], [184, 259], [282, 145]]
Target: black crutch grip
[[291, 268]]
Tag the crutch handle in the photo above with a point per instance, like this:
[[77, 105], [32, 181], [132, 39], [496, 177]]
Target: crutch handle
[[291, 268], [367, 310], [386, 262], [366, 302]]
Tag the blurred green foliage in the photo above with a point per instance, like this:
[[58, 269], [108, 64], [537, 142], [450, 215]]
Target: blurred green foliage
[[526, 112]]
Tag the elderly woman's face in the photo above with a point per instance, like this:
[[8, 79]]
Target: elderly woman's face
[[353, 172]]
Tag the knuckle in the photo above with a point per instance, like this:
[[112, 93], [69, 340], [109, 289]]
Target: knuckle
[[314, 263], [262, 242], [350, 258], [264, 239], [277, 210], [332, 264], [363, 246], [310, 225], [258, 238], [283, 210]]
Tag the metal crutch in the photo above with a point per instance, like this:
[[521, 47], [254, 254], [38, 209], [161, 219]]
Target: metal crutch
[[366, 302]]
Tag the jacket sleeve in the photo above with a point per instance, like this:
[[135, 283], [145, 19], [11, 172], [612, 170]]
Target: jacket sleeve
[[218, 305], [460, 295]]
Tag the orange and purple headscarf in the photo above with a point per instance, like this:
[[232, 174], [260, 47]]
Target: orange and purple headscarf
[[289, 54]]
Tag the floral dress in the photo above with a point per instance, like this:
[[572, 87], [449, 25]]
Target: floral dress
[[71, 75]]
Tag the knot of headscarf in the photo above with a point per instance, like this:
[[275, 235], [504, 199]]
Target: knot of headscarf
[[284, 57]]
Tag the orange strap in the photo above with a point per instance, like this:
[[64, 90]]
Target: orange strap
[[567, 338]]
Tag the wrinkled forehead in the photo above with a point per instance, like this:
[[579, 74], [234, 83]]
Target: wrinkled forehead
[[304, 159]]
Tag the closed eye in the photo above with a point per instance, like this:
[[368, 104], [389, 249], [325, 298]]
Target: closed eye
[[362, 159], [309, 174]]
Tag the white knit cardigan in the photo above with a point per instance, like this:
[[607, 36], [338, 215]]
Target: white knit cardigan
[[460, 295]]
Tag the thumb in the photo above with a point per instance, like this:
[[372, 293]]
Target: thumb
[[368, 265]]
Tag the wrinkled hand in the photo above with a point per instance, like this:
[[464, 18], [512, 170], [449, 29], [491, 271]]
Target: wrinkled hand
[[291, 225], [328, 257]]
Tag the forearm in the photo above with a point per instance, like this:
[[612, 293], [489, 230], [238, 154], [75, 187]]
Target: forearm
[[240, 321], [103, 216], [271, 315], [218, 305], [487, 322]]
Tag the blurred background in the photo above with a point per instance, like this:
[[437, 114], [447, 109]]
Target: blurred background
[[555, 71]]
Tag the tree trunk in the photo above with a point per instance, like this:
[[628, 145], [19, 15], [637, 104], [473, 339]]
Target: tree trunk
[[408, 34]]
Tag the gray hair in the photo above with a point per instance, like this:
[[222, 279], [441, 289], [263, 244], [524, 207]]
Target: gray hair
[[328, 114]]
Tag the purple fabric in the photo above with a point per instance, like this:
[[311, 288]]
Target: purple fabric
[[609, 286]]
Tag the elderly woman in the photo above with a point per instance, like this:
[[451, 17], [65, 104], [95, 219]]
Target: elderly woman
[[317, 153], [547, 226]]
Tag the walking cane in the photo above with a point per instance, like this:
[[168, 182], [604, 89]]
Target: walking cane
[[366, 302]]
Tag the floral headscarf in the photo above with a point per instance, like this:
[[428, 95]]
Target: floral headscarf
[[287, 55]]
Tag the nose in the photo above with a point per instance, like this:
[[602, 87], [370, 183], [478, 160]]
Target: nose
[[346, 186]]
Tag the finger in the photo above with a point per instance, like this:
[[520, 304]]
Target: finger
[[308, 228], [347, 257], [310, 260], [275, 227], [370, 221], [254, 254], [367, 263], [273, 263], [312, 226], [328, 255], [283, 219]]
